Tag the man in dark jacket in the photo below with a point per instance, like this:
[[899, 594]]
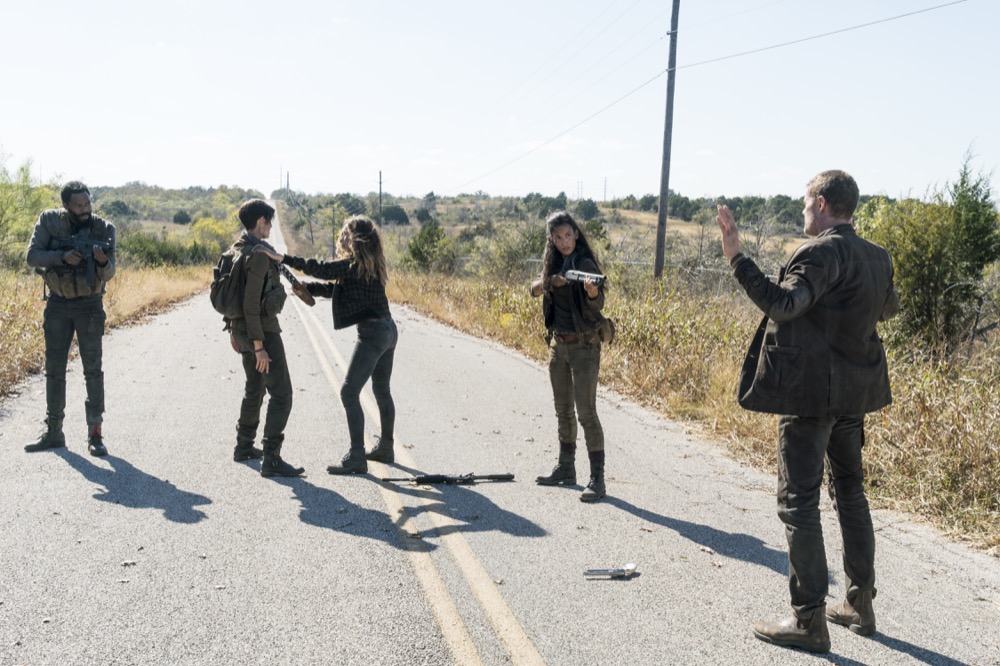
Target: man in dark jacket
[[74, 250], [818, 362]]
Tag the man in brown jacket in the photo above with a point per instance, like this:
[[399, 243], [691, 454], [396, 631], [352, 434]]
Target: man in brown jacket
[[818, 362]]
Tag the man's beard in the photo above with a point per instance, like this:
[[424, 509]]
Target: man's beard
[[79, 221]]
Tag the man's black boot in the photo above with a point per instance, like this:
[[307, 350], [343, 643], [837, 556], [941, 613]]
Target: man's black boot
[[51, 438], [382, 451], [95, 442], [273, 465], [564, 473], [353, 463]]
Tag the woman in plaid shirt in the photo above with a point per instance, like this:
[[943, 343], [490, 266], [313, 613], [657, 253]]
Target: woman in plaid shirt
[[356, 284]]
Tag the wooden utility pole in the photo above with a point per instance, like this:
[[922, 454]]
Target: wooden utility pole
[[668, 128], [380, 198]]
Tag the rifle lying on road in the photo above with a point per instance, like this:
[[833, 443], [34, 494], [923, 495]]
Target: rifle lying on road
[[454, 479], [580, 276], [84, 244]]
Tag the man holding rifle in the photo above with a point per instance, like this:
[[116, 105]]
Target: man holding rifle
[[74, 251]]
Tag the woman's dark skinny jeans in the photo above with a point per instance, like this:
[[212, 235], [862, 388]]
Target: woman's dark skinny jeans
[[372, 358]]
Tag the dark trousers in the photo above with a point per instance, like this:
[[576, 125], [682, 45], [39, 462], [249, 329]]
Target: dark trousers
[[373, 356], [277, 383], [803, 443], [63, 317], [573, 371]]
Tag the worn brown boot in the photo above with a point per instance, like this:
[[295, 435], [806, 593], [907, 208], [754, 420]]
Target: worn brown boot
[[857, 615], [808, 633]]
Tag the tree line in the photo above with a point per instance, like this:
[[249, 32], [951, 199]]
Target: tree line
[[945, 246]]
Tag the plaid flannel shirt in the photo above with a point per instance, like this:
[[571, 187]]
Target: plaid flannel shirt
[[354, 298]]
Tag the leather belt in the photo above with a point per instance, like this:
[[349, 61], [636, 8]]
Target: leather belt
[[566, 337]]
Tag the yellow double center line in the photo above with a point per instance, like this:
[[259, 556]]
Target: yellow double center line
[[463, 649]]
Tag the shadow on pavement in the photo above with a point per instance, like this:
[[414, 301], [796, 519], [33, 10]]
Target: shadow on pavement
[[322, 507], [736, 546], [920, 654], [472, 511], [126, 485]]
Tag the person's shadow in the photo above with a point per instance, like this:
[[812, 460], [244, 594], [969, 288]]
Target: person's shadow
[[126, 485], [470, 511], [736, 546], [322, 507], [917, 652]]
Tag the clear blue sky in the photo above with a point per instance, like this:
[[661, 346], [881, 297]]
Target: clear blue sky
[[461, 95]]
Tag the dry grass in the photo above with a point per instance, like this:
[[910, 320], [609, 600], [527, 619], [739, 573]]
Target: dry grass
[[934, 452], [132, 295]]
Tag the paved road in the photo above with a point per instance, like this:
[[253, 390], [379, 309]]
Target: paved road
[[167, 551]]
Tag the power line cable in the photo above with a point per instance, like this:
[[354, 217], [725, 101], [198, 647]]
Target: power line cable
[[564, 132], [569, 59], [544, 63], [696, 64], [739, 13], [825, 34], [568, 101]]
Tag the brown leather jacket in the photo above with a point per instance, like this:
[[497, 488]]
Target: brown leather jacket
[[817, 353]]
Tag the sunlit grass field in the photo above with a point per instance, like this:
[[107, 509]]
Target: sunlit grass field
[[934, 452], [132, 295]]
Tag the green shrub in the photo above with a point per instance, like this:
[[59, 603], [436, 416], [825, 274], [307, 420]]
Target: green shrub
[[940, 250]]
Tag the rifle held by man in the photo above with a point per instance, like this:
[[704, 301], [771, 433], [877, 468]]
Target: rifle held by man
[[84, 244]]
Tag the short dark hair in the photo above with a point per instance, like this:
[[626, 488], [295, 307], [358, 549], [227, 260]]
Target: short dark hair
[[840, 191], [254, 209], [71, 188]]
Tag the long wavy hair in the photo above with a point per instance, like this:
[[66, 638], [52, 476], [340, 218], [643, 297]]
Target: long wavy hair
[[364, 248], [552, 260]]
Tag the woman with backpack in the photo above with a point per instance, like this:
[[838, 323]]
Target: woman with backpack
[[572, 314], [254, 331], [357, 279]]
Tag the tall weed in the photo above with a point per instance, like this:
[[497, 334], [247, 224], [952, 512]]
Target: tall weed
[[934, 451], [132, 295]]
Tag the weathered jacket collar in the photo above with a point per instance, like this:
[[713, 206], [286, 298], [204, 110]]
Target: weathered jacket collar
[[845, 229]]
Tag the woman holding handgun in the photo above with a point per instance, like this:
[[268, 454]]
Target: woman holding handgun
[[572, 312]]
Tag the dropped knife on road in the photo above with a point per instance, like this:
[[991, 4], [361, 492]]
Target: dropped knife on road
[[622, 572]]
